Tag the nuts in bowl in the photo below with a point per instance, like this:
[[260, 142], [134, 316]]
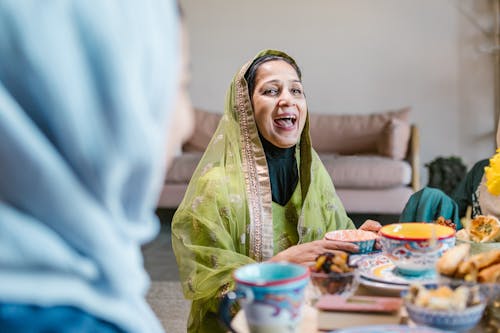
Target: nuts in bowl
[[331, 274]]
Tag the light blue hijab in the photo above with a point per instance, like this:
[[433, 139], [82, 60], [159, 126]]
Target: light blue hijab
[[84, 91]]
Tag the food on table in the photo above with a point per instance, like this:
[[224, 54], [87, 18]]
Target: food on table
[[446, 222], [443, 297], [332, 262], [484, 228], [483, 267], [331, 274], [449, 261], [489, 274], [463, 235]]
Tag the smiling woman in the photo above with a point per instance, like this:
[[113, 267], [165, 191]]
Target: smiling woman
[[259, 193], [278, 100]]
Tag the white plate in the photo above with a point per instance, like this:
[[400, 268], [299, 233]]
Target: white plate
[[379, 268], [386, 289]]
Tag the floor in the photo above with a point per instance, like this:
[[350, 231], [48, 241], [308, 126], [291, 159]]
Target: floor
[[165, 295], [159, 259]]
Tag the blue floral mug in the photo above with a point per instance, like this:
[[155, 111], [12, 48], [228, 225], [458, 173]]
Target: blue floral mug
[[271, 295]]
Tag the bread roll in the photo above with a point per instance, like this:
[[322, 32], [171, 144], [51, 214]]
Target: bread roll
[[449, 261]]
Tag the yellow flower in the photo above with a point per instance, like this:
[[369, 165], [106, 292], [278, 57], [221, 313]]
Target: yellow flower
[[492, 173]]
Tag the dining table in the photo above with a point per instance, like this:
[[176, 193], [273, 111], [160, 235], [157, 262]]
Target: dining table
[[311, 322]]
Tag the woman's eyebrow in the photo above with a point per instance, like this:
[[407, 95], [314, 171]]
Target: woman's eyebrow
[[278, 81]]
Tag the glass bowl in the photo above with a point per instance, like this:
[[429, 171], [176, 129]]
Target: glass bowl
[[344, 284]]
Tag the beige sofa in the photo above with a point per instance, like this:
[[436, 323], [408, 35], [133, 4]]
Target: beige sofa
[[372, 159]]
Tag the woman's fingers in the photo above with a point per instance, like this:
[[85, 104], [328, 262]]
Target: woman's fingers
[[308, 252], [339, 245], [371, 225]]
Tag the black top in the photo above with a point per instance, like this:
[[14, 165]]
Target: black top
[[283, 171]]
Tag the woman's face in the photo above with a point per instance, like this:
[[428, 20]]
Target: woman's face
[[279, 104]]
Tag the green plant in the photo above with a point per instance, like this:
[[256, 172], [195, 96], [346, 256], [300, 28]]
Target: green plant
[[445, 173]]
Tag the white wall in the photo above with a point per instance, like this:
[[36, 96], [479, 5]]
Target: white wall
[[361, 56]]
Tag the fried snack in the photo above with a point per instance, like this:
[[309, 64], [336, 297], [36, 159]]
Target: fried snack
[[467, 270], [484, 228], [486, 259], [490, 274], [443, 298], [448, 263], [483, 267]]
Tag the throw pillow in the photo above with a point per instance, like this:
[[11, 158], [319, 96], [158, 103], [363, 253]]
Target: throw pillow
[[352, 134], [393, 142]]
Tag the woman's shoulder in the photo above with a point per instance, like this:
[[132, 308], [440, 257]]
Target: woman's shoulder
[[481, 164]]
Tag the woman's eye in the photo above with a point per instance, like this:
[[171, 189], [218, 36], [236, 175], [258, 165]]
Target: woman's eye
[[271, 92], [297, 91]]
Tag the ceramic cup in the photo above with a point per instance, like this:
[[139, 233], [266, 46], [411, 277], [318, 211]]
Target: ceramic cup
[[415, 247], [271, 295]]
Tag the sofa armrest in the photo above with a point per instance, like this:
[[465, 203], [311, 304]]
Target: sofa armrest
[[413, 156]]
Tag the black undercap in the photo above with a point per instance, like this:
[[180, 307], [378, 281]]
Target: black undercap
[[283, 171]]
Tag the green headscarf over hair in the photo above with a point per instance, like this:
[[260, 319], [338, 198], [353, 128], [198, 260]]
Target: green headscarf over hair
[[226, 218]]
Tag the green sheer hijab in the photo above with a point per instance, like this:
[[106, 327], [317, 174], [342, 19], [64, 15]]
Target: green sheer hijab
[[226, 218]]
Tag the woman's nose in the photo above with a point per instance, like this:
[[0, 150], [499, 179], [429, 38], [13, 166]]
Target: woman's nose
[[285, 99]]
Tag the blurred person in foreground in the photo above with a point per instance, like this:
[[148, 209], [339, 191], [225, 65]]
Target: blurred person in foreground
[[87, 91]]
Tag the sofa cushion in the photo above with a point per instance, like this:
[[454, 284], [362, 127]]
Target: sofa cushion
[[182, 167], [204, 127], [358, 134], [366, 172], [394, 140], [375, 201]]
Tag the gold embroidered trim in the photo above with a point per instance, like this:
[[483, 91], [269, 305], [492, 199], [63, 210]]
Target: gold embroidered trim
[[224, 290], [250, 173]]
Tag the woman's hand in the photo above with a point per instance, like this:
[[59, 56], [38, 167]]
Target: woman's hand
[[371, 225], [307, 253]]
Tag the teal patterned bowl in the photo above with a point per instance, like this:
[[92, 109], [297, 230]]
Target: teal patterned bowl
[[365, 240]]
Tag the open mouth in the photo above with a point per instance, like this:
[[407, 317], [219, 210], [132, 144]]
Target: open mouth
[[286, 121]]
